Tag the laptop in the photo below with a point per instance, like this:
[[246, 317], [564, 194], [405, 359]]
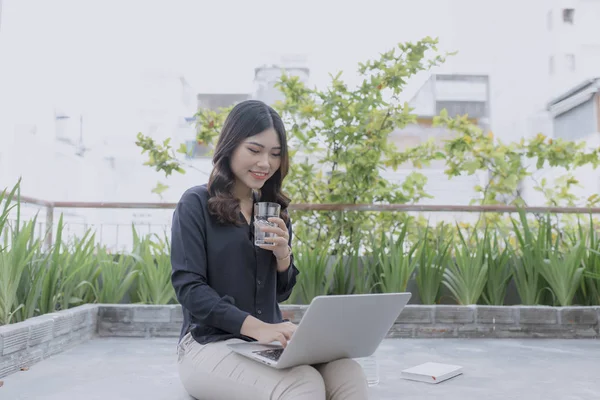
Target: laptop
[[333, 327]]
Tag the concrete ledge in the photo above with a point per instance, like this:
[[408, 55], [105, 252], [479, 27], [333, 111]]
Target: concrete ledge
[[497, 315], [26, 343], [415, 321], [135, 320]]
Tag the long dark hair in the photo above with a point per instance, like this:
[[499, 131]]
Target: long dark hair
[[246, 119]]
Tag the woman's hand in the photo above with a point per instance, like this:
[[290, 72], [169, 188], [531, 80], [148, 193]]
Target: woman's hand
[[279, 245], [266, 333], [281, 333]]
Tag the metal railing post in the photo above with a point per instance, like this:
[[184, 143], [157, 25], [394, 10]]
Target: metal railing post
[[49, 226]]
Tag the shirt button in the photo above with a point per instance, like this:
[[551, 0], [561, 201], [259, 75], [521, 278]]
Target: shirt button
[[259, 312], [259, 282]]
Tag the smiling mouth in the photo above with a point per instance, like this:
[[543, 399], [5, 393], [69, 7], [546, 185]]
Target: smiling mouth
[[259, 175]]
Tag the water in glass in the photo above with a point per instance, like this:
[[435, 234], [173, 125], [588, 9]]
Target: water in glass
[[262, 212], [371, 369]]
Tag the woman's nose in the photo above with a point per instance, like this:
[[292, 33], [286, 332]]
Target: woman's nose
[[263, 161]]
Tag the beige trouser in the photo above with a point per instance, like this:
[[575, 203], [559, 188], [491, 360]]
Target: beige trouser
[[214, 372]]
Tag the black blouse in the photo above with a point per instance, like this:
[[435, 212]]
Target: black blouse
[[219, 275]]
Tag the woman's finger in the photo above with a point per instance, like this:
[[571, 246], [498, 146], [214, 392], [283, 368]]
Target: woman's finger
[[282, 339], [276, 240], [274, 229], [292, 326], [280, 223]]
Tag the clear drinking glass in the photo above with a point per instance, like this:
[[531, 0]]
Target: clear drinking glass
[[262, 212], [371, 368]]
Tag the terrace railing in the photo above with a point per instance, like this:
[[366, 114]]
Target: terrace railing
[[51, 209]]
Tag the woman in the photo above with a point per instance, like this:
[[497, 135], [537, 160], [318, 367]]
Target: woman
[[229, 288]]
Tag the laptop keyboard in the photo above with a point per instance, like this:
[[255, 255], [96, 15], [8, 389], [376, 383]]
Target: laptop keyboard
[[272, 354]]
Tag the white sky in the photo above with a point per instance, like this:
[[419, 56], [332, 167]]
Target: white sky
[[64, 51], [216, 44]]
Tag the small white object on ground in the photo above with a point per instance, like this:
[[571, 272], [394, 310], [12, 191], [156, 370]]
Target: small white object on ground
[[431, 372]]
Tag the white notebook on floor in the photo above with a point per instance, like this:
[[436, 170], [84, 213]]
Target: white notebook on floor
[[431, 372]]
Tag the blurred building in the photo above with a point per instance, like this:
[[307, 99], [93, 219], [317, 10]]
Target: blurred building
[[459, 94], [575, 116], [576, 113], [571, 47], [267, 75], [265, 78], [570, 97], [574, 54], [81, 151]]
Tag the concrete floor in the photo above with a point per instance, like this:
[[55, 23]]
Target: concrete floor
[[119, 369]]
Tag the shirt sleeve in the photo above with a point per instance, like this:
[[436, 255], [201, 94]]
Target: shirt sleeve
[[189, 266], [287, 280]]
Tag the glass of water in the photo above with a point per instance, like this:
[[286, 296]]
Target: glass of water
[[371, 369], [262, 212]]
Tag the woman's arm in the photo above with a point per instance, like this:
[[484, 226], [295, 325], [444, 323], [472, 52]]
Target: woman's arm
[[189, 266]]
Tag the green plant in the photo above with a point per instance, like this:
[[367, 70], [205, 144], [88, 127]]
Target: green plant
[[69, 272], [348, 130], [466, 277], [563, 271], [364, 278], [53, 273], [8, 273], [315, 276], [534, 249], [432, 256], [20, 255], [8, 204], [29, 287], [14, 262], [342, 281], [473, 150], [499, 261], [115, 277], [397, 264], [154, 270], [590, 285], [78, 272]]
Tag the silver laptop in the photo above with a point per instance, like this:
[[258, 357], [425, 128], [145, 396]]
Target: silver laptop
[[333, 327]]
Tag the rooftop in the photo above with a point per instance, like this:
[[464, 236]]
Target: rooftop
[[459, 94], [138, 368], [575, 90], [573, 97]]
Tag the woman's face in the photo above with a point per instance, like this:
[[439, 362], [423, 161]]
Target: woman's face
[[255, 160]]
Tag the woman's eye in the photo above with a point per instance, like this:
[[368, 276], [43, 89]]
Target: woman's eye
[[276, 155], [253, 151]]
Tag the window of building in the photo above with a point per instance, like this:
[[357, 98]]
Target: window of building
[[570, 58], [569, 16], [551, 65], [549, 20]]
